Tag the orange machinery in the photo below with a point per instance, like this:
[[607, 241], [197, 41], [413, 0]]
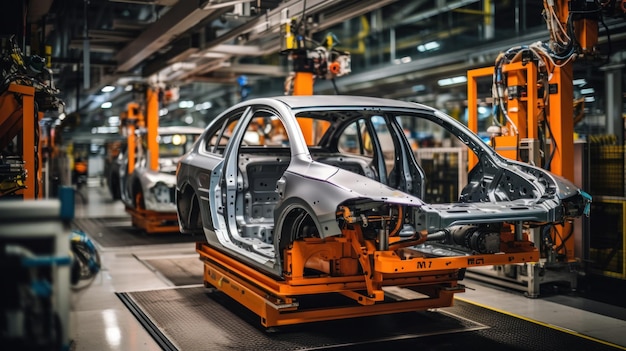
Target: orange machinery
[[146, 116], [17, 118], [532, 89], [394, 280], [310, 63]]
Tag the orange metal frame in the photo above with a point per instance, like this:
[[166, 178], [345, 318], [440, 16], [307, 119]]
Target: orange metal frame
[[524, 112], [152, 123], [16, 119], [150, 221], [348, 266], [134, 119], [153, 222]]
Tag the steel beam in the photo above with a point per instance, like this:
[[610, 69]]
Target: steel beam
[[175, 22]]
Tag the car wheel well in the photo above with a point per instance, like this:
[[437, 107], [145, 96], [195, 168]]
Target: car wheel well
[[189, 209], [138, 196], [298, 224], [114, 186]]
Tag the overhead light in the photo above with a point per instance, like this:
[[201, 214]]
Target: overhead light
[[211, 54], [204, 106], [579, 82], [590, 99], [108, 89], [114, 121], [587, 91], [104, 130], [185, 104], [405, 59], [186, 66], [107, 104], [216, 4], [430, 46], [451, 81], [129, 87]]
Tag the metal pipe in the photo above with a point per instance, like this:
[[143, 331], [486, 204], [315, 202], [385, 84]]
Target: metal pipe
[[383, 237], [86, 67]]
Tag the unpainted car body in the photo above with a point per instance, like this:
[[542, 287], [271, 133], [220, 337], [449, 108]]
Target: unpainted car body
[[272, 171], [154, 190]]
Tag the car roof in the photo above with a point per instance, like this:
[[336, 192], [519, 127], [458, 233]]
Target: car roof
[[304, 101]]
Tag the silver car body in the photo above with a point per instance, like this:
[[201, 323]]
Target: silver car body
[[156, 187], [251, 202]]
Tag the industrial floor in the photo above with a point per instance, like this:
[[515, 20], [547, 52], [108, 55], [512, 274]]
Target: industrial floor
[[100, 320]]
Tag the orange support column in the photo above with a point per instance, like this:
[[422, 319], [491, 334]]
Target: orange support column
[[472, 104], [40, 160], [28, 137], [303, 85], [152, 123], [532, 106]]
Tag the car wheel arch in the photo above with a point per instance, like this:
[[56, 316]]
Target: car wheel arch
[[188, 208], [288, 215], [137, 193]]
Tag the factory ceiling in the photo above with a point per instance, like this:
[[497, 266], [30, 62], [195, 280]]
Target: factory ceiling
[[202, 46]]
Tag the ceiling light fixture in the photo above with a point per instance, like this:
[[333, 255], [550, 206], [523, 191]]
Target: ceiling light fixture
[[107, 89], [185, 104], [430, 46], [450, 81], [587, 91]]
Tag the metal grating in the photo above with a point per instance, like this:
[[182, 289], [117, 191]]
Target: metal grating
[[179, 270], [607, 244], [607, 165], [195, 319], [119, 232]]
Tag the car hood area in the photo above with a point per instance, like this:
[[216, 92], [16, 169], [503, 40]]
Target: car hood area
[[517, 193]]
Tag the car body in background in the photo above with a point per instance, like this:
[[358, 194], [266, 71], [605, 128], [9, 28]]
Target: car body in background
[[269, 172], [113, 149], [147, 189]]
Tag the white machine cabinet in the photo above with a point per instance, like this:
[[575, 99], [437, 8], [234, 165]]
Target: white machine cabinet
[[35, 259]]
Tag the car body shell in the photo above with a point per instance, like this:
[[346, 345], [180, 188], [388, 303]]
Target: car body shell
[[215, 194], [155, 186]]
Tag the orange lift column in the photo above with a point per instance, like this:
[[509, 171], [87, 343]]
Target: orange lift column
[[555, 108], [303, 85], [152, 123], [151, 221], [132, 120], [28, 138]]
